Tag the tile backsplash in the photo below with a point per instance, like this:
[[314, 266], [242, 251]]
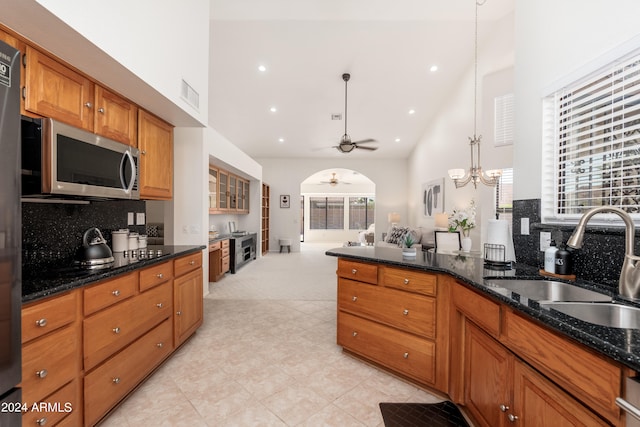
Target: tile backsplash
[[599, 260], [52, 232]]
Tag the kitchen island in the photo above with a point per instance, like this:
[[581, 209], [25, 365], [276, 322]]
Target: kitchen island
[[486, 347]]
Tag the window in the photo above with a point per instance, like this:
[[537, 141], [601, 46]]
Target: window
[[361, 212], [504, 195], [326, 213], [503, 119], [591, 149]]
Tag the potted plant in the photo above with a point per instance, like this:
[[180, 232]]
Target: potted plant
[[407, 245]]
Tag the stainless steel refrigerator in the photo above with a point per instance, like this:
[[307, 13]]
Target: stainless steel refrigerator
[[10, 238]]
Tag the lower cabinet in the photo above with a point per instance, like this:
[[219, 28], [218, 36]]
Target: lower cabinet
[[188, 305]]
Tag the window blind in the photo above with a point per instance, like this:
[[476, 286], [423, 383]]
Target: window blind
[[504, 195], [591, 148], [504, 119]]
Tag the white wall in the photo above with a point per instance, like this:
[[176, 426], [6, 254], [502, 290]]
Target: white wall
[[285, 175], [445, 144], [554, 39], [141, 49]]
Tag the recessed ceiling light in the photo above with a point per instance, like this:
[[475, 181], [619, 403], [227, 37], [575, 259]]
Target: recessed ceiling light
[[280, 140], [262, 68], [397, 140], [412, 111], [273, 109], [433, 68]]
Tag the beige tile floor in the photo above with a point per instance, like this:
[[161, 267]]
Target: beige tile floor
[[266, 356]]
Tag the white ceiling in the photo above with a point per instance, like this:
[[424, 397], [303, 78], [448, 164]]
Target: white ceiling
[[388, 47]]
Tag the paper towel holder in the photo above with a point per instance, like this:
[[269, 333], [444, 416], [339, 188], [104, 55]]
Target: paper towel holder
[[495, 257]]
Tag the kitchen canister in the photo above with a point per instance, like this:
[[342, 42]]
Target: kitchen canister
[[133, 241], [142, 241], [120, 240]]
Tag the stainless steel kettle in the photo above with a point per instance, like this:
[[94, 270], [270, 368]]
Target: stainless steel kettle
[[95, 253]]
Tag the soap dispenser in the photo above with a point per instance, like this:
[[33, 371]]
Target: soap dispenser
[[550, 258]]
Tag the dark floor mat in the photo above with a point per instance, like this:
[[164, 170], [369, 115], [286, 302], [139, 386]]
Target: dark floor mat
[[443, 414]]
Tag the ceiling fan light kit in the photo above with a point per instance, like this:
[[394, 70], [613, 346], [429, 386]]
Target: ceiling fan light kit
[[475, 174], [346, 145]]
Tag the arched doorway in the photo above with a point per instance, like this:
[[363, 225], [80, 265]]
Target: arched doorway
[[336, 205]]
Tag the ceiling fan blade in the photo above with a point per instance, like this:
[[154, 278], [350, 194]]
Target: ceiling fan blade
[[367, 148], [364, 141]]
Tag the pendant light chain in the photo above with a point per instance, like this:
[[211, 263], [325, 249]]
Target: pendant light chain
[[475, 78]]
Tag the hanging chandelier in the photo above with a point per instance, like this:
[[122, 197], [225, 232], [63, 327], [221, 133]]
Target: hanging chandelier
[[475, 173]]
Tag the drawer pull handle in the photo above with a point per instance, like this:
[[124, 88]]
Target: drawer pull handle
[[354, 271], [406, 281], [160, 305], [504, 408], [42, 421], [42, 373], [405, 312], [160, 276], [179, 313], [116, 330], [116, 293], [406, 355], [101, 110], [41, 323], [160, 345], [355, 334], [354, 298], [88, 104], [192, 262], [116, 380], [512, 418]]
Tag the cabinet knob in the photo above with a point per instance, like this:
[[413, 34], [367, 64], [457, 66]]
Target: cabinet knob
[[354, 298], [159, 305], [160, 345], [354, 271], [116, 293], [178, 313], [512, 418], [116, 330], [192, 262], [355, 334], [88, 104], [42, 373], [405, 312], [143, 151], [406, 281], [41, 421], [504, 408], [160, 276], [41, 323], [116, 380], [406, 355], [101, 110]]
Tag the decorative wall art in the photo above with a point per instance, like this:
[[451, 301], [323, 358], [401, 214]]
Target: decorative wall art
[[433, 197], [285, 201]]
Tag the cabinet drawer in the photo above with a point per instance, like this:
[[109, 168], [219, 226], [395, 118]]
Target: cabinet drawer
[[155, 275], [225, 252], [112, 329], [109, 293], [409, 312], [61, 404], [407, 280], [111, 381], [358, 271], [214, 246], [42, 317], [484, 312], [186, 264], [402, 352], [586, 375], [225, 243], [48, 363]]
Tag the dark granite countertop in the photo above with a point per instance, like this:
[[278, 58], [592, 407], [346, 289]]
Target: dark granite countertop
[[44, 283], [621, 345]]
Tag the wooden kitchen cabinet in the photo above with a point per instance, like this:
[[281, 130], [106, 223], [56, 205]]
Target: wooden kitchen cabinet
[[214, 194], [228, 193], [188, 297], [404, 330], [155, 142], [55, 90], [115, 117], [218, 259]]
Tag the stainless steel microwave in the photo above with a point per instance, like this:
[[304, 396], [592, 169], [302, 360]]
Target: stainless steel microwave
[[62, 160]]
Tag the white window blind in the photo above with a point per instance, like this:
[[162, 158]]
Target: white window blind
[[504, 120], [504, 195], [591, 148]]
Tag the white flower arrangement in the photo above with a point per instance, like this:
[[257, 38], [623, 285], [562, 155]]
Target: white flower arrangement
[[463, 219]]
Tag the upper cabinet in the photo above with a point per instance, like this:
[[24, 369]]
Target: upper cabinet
[[55, 90], [228, 193], [155, 142]]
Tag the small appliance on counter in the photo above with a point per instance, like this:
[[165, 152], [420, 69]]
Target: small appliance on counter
[[235, 232], [499, 252], [94, 254]]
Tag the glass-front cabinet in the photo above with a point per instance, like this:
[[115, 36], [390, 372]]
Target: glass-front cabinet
[[228, 193], [223, 189], [233, 189], [213, 189]]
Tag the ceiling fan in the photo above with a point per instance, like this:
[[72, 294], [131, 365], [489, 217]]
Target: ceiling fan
[[346, 145], [333, 181]]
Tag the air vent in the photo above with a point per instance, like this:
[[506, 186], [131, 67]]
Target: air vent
[[337, 116], [190, 95]]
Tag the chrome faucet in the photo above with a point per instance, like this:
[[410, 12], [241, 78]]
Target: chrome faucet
[[629, 283]]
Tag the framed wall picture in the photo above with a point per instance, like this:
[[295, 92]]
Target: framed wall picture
[[285, 201], [432, 196]]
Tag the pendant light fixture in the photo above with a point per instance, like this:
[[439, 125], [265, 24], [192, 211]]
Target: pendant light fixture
[[475, 173]]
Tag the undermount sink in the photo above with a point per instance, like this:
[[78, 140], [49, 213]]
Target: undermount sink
[[549, 290], [610, 315]]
